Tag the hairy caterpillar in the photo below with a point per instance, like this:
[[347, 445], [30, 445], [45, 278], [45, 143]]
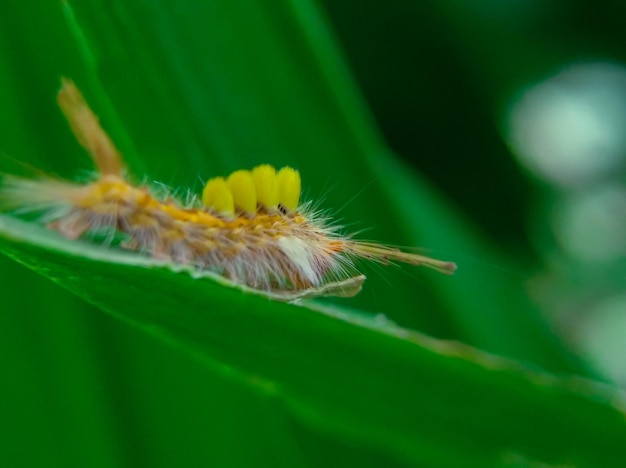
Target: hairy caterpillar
[[249, 227]]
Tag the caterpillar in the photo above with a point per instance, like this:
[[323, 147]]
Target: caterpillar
[[249, 227]]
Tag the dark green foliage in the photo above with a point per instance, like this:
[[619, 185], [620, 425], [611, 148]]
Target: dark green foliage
[[192, 89]]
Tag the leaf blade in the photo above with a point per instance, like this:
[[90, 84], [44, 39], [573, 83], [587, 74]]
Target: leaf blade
[[403, 394]]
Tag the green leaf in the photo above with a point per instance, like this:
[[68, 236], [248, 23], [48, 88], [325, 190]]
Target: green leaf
[[192, 89], [349, 376]]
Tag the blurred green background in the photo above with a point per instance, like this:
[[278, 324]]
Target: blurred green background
[[507, 119]]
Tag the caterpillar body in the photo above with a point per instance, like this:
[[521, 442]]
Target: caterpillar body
[[249, 227]]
